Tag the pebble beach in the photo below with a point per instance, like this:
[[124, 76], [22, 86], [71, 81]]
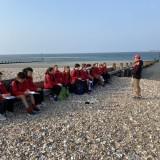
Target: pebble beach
[[108, 124]]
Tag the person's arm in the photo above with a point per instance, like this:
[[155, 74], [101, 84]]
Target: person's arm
[[15, 89], [32, 86], [73, 76]]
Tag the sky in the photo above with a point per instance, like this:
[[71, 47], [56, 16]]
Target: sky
[[79, 26]]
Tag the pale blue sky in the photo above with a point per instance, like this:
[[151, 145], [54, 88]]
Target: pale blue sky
[[78, 26]]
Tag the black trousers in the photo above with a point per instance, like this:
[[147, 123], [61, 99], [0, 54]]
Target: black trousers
[[95, 81], [39, 98], [106, 77], [56, 90], [6, 105]]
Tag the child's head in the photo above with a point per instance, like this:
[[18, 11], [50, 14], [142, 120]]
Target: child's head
[[21, 77], [88, 66], [77, 66], [104, 64], [1, 74], [96, 65], [28, 71], [67, 69], [55, 67], [83, 65], [49, 70]]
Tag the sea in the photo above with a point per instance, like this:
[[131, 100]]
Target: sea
[[78, 57]]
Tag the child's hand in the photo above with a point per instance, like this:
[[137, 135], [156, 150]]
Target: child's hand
[[26, 92], [39, 89], [4, 95]]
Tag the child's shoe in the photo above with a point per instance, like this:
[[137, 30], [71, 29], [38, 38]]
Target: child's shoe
[[35, 108], [31, 113]]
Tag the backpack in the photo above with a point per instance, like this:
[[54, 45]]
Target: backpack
[[79, 89], [64, 93]]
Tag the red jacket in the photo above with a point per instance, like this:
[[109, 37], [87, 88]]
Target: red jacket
[[75, 74], [84, 74], [98, 71], [66, 78], [30, 85], [19, 88], [105, 69], [3, 89], [93, 72], [57, 76], [49, 81]]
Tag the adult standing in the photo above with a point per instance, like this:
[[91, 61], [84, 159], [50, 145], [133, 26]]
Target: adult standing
[[136, 75]]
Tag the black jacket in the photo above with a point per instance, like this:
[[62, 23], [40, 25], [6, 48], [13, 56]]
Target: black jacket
[[137, 70]]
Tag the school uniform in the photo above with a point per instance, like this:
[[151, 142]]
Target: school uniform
[[94, 75], [50, 83], [85, 76], [5, 104], [67, 82], [19, 88], [105, 74], [39, 98], [57, 76]]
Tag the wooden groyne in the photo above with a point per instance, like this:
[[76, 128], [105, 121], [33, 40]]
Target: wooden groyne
[[11, 62], [124, 70]]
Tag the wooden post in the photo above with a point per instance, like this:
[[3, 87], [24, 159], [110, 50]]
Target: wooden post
[[121, 65], [114, 66], [126, 64]]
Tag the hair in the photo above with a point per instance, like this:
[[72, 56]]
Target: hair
[[77, 65], [21, 75], [25, 70], [94, 64], [1, 73], [88, 65], [49, 70], [55, 66]]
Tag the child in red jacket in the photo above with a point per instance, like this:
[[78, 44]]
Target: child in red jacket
[[85, 76], [57, 75], [105, 74], [99, 74], [51, 83], [6, 105], [67, 80], [21, 90], [39, 98], [76, 78]]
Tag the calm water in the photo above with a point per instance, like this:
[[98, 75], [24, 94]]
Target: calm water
[[127, 56]]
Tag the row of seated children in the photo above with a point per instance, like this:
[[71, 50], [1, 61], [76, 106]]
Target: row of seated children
[[20, 88], [88, 75]]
